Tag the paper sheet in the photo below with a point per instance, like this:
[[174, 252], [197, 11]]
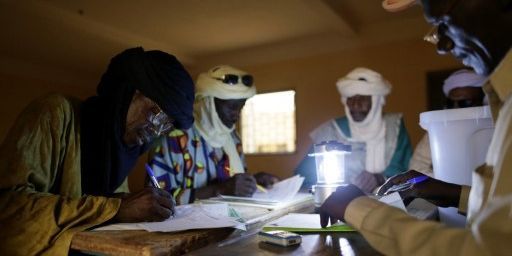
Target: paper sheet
[[394, 200], [283, 191], [301, 222], [193, 216]]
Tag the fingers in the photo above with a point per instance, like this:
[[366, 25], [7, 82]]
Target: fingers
[[159, 213], [324, 219]]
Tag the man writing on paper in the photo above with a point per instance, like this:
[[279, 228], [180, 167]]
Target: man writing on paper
[[463, 89], [64, 160], [380, 143], [478, 32], [207, 159]]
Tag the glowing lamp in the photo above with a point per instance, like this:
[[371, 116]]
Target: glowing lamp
[[330, 168]]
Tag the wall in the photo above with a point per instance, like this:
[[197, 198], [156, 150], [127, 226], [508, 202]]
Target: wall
[[317, 100]]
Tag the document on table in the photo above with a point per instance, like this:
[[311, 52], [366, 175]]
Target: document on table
[[193, 216], [395, 200], [283, 191], [303, 223]]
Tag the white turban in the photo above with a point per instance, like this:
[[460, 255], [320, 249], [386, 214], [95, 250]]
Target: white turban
[[209, 85], [463, 78], [363, 81], [372, 130]]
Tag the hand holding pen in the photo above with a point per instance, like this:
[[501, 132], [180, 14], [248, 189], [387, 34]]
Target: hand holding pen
[[153, 180], [413, 184]]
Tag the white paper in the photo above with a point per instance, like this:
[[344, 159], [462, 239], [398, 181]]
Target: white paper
[[299, 220], [282, 191], [394, 200], [193, 216]]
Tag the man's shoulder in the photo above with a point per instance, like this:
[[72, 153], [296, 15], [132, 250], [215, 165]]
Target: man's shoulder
[[53, 107]]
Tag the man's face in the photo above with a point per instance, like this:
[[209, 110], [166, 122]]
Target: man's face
[[359, 106], [464, 97], [229, 110], [470, 30], [145, 121]]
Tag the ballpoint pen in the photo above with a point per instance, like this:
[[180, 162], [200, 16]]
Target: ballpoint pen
[[407, 184], [156, 185]]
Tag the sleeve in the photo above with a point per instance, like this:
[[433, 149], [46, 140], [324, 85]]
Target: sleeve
[[37, 163], [403, 152], [421, 159], [161, 161], [307, 169], [393, 232]]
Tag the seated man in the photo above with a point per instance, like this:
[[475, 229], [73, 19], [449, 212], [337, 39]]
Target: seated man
[[207, 159], [380, 143], [462, 89], [63, 160]]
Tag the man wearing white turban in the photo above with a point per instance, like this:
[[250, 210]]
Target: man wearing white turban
[[463, 89], [380, 143], [207, 159]]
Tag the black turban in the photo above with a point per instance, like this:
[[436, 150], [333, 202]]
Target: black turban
[[105, 160]]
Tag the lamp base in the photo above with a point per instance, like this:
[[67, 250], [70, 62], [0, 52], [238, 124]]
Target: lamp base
[[322, 192]]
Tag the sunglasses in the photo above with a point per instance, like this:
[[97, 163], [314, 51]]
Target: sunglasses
[[232, 79], [434, 34]]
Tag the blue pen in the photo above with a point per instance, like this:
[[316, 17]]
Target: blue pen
[[152, 176], [407, 184], [156, 185]]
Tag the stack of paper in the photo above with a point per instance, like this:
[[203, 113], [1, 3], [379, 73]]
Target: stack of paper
[[193, 216], [303, 223]]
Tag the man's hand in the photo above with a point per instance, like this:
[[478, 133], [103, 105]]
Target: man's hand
[[367, 182], [242, 184], [265, 179], [335, 205], [438, 192], [149, 204]]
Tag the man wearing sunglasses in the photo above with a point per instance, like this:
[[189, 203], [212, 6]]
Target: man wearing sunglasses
[[479, 33], [207, 159], [463, 89], [64, 163]]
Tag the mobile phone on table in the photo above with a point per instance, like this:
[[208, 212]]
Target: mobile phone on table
[[280, 237]]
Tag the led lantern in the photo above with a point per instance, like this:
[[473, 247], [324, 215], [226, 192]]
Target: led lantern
[[330, 168]]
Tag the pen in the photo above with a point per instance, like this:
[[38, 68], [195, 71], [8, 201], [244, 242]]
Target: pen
[[261, 188], [156, 185], [152, 176], [406, 184]]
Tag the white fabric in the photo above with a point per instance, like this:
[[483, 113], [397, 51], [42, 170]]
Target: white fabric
[[207, 121], [463, 78], [372, 130], [363, 81]]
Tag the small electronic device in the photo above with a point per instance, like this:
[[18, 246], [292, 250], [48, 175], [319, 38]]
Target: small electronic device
[[280, 237]]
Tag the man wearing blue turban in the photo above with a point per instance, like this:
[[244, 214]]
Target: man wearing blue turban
[[64, 162]]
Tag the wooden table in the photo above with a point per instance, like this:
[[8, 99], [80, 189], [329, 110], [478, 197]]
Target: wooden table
[[139, 242]]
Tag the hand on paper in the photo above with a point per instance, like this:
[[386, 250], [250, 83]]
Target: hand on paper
[[149, 204], [438, 192], [265, 179], [242, 184], [334, 207], [367, 182]]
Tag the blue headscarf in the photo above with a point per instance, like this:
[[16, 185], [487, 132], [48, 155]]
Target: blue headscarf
[[105, 160]]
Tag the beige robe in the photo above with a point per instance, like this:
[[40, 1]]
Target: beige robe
[[41, 202]]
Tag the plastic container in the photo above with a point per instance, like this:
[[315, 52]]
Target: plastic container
[[459, 140]]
